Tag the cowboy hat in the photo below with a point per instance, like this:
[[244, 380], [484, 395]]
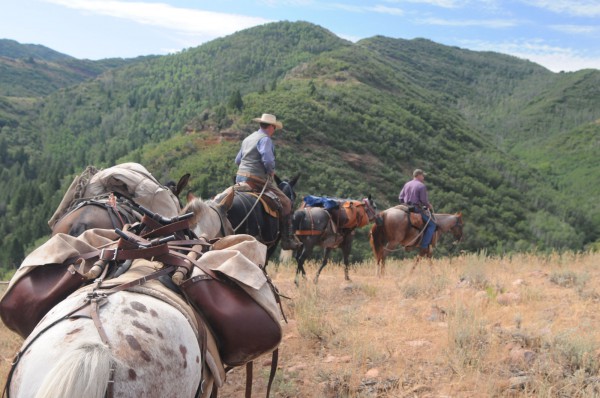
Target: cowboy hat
[[269, 119]]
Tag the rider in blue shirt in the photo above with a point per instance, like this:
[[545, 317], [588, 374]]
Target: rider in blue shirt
[[256, 167]]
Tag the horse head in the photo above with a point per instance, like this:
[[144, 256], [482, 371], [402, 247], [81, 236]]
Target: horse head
[[457, 228], [370, 207], [209, 217], [287, 187]]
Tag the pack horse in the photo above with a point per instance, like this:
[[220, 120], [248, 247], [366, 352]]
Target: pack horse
[[130, 334], [329, 223], [112, 197]]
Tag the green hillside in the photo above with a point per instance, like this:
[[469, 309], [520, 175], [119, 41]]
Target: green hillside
[[358, 118], [28, 70]]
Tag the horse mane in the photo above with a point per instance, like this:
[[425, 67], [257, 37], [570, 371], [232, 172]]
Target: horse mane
[[196, 206]]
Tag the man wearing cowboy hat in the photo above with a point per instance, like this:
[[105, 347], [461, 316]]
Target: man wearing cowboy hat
[[414, 193], [256, 167]]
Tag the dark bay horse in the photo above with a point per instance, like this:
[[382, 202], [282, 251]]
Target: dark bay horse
[[393, 228], [316, 226], [248, 216], [106, 211]]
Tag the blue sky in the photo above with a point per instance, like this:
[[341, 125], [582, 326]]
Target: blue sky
[[561, 35]]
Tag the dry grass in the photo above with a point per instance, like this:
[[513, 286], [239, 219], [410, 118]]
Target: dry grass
[[520, 326]]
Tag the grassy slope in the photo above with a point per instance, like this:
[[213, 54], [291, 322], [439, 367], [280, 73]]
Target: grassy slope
[[517, 326]]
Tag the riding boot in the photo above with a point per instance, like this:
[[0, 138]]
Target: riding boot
[[424, 252], [289, 241]]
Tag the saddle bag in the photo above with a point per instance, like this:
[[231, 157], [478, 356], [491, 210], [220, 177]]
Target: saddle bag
[[236, 299], [352, 214], [32, 296], [242, 328]]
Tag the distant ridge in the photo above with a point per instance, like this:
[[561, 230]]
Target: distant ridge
[[15, 50]]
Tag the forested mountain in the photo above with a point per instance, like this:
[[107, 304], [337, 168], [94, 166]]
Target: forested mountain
[[28, 70], [358, 118]]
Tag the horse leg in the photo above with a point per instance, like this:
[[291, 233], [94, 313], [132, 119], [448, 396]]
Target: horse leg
[[422, 254], [301, 256], [381, 266], [381, 262], [323, 264], [346, 247]]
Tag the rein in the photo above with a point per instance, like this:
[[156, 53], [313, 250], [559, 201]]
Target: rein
[[226, 228], [254, 205]]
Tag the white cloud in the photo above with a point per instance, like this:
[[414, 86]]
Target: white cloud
[[581, 8], [362, 9], [484, 23], [576, 29], [183, 20], [437, 3], [554, 58], [386, 10]]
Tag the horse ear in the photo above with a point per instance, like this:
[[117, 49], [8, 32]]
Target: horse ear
[[183, 182], [227, 201], [294, 180], [277, 179], [190, 196]]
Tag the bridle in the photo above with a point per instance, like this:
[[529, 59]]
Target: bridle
[[288, 190], [370, 208], [458, 224]]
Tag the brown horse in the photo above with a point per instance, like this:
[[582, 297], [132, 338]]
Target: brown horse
[[106, 211], [393, 228]]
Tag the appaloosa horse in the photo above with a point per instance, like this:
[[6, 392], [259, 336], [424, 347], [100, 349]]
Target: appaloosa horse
[[248, 215], [133, 345], [393, 228], [316, 226]]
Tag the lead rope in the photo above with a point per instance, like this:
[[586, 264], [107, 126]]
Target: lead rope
[[255, 203]]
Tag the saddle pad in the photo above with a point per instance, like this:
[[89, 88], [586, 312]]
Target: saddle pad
[[266, 205]]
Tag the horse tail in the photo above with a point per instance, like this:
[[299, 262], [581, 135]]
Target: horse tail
[[82, 372], [377, 239]]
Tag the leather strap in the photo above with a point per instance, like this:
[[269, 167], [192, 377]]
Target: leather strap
[[249, 379], [274, 359], [131, 254], [307, 232], [164, 230]]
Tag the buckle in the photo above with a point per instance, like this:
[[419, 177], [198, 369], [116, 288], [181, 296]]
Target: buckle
[[114, 257]]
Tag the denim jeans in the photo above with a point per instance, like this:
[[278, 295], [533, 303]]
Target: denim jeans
[[428, 234]]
